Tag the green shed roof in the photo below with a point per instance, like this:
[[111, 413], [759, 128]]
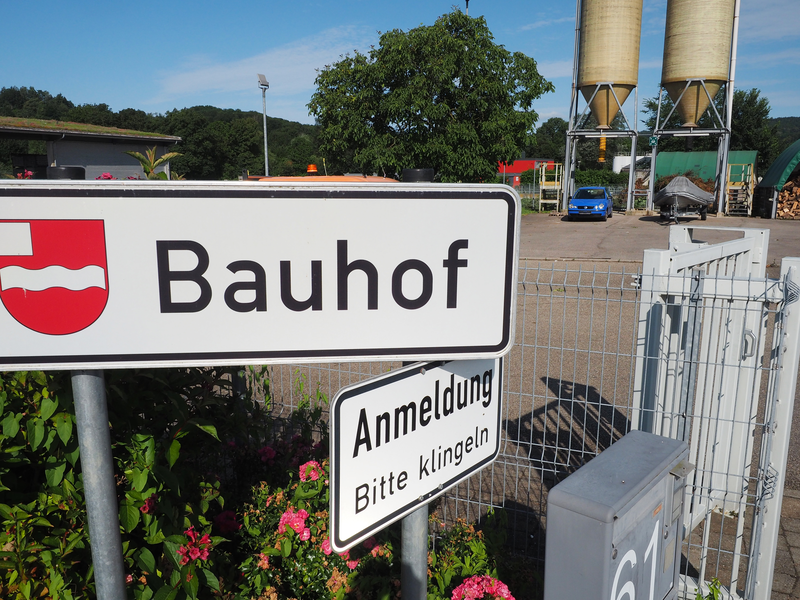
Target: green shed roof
[[782, 168], [702, 164]]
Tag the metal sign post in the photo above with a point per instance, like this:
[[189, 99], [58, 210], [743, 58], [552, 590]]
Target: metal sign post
[[97, 466]]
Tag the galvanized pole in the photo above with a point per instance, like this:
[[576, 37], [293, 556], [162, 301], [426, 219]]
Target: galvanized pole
[[414, 555], [414, 551], [91, 411]]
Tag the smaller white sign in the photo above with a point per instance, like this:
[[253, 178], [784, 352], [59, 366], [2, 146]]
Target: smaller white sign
[[401, 439]]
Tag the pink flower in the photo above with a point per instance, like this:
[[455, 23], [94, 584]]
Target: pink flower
[[352, 564], [370, 542], [306, 534], [149, 506], [297, 524], [191, 534], [129, 579], [481, 586], [266, 454], [263, 561], [195, 549], [326, 547], [310, 471], [106, 176], [225, 522], [302, 513]]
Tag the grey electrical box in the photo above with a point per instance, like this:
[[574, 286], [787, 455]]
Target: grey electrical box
[[614, 527]]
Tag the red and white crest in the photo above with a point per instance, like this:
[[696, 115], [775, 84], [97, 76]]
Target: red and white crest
[[53, 274]]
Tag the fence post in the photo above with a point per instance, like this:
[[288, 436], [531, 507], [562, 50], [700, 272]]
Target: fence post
[[781, 424]]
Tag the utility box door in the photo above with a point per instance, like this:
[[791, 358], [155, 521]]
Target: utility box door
[[614, 526]]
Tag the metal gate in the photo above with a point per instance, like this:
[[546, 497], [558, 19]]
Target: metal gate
[[698, 344], [708, 372]]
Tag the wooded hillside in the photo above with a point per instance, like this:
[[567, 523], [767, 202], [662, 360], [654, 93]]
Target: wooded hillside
[[217, 143]]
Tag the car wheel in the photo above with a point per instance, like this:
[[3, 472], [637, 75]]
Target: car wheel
[[703, 214], [610, 212], [604, 217]]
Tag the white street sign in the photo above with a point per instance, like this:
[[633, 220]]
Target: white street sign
[[104, 274], [401, 439]]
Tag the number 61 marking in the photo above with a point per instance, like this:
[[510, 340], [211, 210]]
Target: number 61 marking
[[629, 589]]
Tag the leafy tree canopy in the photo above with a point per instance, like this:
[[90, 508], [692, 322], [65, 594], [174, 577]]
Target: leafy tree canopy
[[443, 96], [550, 140]]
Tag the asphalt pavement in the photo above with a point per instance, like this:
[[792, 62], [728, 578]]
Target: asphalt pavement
[[623, 238]]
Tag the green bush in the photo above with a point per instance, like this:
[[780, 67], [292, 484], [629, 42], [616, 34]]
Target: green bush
[[600, 177], [216, 498]]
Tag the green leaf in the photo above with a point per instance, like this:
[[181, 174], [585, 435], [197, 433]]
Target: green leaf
[[128, 517], [166, 593], [209, 579], [146, 560], [63, 427], [171, 551], [35, 433], [192, 585], [47, 408], [55, 474], [174, 452], [139, 480], [286, 547], [209, 429], [11, 424]]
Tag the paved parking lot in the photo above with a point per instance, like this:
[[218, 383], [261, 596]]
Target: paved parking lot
[[625, 237]]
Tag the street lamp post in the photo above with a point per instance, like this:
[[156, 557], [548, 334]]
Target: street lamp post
[[264, 85]]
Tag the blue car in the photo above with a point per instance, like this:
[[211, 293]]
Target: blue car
[[590, 202]]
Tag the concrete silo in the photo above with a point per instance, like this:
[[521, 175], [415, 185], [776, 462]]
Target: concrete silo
[[697, 46], [610, 31]]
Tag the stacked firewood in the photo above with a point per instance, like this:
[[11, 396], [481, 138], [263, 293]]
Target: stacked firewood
[[789, 199]]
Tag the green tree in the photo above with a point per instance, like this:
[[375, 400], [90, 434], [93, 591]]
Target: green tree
[[550, 140], [33, 104], [443, 96], [751, 128]]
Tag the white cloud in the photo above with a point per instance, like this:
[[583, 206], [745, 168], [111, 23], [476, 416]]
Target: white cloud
[[546, 23], [290, 69], [773, 59], [768, 20]]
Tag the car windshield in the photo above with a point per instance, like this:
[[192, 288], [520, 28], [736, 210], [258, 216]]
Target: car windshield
[[589, 194]]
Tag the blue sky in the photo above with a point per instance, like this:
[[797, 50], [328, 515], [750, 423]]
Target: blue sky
[[165, 55]]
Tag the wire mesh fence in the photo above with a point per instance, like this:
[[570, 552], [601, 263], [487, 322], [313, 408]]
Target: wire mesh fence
[[571, 390]]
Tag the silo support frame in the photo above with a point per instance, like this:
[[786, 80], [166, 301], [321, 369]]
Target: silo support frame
[[689, 83], [599, 86], [723, 131]]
